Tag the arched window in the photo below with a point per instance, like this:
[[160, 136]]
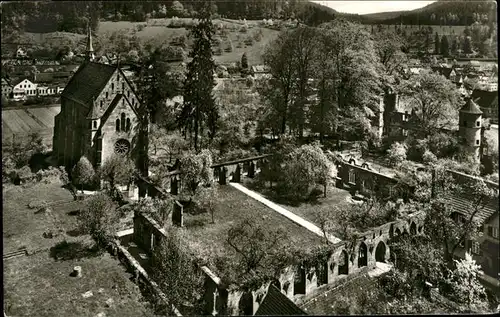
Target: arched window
[[112, 86], [101, 103], [128, 124], [123, 86], [106, 95], [95, 124], [123, 122], [117, 125], [128, 94]]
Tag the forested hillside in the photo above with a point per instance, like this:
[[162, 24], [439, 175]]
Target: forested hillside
[[72, 16], [448, 12]]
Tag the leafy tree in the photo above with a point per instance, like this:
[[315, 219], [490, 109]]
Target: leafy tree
[[244, 61], [396, 154], [206, 199], [175, 271], [447, 231], [158, 209], [467, 45], [444, 46], [254, 243], [465, 285], [435, 101], [455, 45], [83, 172], [388, 46], [177, 9], [200, 110], [195, 170], [436, 43], [117, 170], [99, 218], [302, 170]]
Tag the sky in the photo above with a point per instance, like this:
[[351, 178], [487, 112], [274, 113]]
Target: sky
[[364, 7]]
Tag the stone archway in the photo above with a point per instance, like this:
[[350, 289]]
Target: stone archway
[[380, 252], [413, 228], [397, 232], [362, 255], [343, 263]]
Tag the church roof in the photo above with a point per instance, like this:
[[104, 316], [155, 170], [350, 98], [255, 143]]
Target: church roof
[[276, 303], [471, 107], [88, 82]]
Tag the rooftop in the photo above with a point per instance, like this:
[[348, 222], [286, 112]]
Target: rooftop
[[471, 107], [277, 304]]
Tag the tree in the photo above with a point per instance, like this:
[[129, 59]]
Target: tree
[[83, 172], [436, 43], [196, 170], [465, 286], [99, 218], [388, 46], [177, 9], [244, 61], [396, 154], [206, 199], [175, 271], [158, 209], [442, 224], [254, 243], [445, 49], [434, 99], [302, 170], [117, 170], [200, 110], [455, 45], [467, 45]]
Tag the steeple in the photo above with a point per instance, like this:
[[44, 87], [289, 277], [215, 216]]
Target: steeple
[[89, 55]]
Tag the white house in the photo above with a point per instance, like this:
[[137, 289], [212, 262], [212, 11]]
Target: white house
[[23, 89]]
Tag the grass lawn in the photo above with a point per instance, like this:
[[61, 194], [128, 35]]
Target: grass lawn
[[209, 240], [23, 227], [335, 197], [40, 286]]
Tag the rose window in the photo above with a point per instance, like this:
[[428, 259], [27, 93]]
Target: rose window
[[122, 147]]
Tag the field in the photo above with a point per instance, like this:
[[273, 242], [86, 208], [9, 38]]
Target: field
[[18, 123], [157, 32], [40, 284]]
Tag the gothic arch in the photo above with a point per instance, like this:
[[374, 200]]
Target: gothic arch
[[413, 228], [123, 122], [128, 125], [343, 263], [117, 125], [397, 232], [380, 252], [362, 255]]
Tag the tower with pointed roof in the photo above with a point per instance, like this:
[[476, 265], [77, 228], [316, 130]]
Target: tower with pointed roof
[[470, 116], [89, 53]]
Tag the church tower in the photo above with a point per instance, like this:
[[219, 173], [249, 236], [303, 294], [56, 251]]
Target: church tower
[[470, 128], [89, 54]]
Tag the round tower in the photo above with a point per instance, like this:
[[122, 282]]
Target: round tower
[[470, 128]]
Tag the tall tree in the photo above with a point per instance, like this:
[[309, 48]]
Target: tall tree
[[200, 110], [434, 99], [445, 46], [436, 43], [244, 61], [467, 45], [83, 172]]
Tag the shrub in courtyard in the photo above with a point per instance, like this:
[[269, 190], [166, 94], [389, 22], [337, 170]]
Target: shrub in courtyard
[[99, 218], [429, 157], [195, 170], [396, 154]]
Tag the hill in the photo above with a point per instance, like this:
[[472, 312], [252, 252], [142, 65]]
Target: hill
[[382, 16], [448, 12]]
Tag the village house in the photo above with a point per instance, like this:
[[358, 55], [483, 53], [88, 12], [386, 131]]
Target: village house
[[24, 88], [485, 248], [487, 101], [98, 114], [260, 71]]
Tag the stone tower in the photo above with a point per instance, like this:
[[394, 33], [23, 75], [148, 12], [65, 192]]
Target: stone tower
[[89, 54], [470, 128]]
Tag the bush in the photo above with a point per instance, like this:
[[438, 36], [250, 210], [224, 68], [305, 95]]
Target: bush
[[37, 204], [249, 41], [244, 29], [396, 154], [429, 157]]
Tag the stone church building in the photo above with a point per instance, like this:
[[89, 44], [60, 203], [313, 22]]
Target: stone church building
[[98, 116]]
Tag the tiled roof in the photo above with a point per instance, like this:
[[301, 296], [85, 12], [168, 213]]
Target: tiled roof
[[324, 304], [485, 99], [88, 82], [276, 303], [463, 204], [445, 71], [471, 107]]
